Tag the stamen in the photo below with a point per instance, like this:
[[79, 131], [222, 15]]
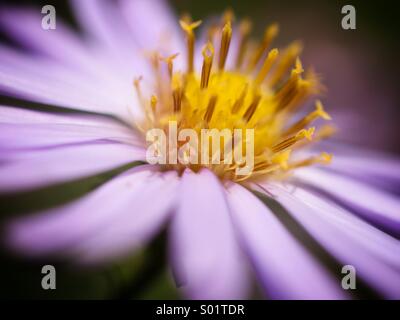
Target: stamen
[[323, 158], [252, 108], [153, 103], [270, 33], [288, 58], [239, 102], [177, 92], [136, 83], [170, 63], [302, 123], [225, 42], [210, 108], [244, 31], [290, 89], [190, 38], [288, 142], [208, 56], [269, 61], [282, 158]]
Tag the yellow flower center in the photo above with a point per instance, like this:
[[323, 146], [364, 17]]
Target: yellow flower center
[[263, 91]]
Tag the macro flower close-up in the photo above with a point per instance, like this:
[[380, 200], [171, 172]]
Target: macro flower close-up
[[139, 124]]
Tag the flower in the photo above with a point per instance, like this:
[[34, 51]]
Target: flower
[[290, 221]]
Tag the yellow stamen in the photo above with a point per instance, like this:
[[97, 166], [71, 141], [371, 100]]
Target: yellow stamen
[[244, 30], [252, 108], [270, 33], [153, 103], [170, 63], [210, 108], [288, 142], [287, 59], [239, 102], [190, 39], [208, 55], [225, 42], [177, 92], [324, 158], [269, 61], [319, 112]]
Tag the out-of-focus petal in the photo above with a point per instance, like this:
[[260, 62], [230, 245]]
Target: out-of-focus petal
[[369, 202], [102, 20], [204, 253], [31, 169], [60, 43], [154, 26], [25, 129], [375, 255], [143, 215], [113, 219], [287, 270]]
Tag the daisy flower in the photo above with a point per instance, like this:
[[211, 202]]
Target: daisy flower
[[291, 223]]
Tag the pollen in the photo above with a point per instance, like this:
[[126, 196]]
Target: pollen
[[252, 86]]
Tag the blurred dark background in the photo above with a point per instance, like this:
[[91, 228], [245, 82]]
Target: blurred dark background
[[359, 67]]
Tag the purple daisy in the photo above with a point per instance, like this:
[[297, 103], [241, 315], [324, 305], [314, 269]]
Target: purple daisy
[[287, 222]]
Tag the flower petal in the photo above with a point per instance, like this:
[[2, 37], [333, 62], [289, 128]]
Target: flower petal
[[24, 129], [153, 25], [144, 214], [110, 221], [33, 169], [204, 253], [370, 203], [286, 268], [61, 43], [375, 255]]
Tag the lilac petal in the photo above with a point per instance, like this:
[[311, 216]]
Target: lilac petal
[[103, 22], [204, 252], [62, 88], [22, 129], [154, 26], [110, 221], [143, 216], [61, 43], [373, 204], [382, 173], [286, 268], [375, 255], [32, 169]]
